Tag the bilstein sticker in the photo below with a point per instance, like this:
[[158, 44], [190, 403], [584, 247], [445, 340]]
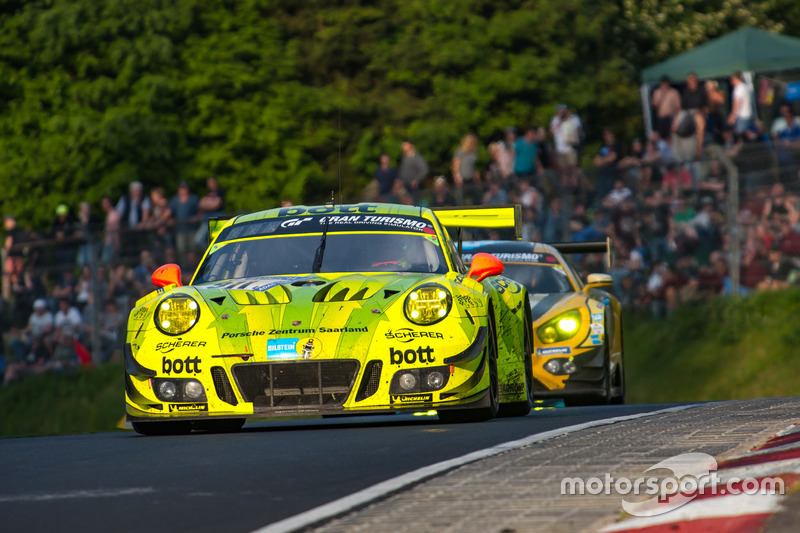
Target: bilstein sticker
[[278, 349]]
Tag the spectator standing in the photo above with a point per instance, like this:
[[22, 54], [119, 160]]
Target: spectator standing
[[741, 115], [526, 162], [413, 168], [160, 220], [33, 345], [63, 232], [688, 128], [606, 162], [15, 259], [553, 223], [787, 138], [385, 175], [441, 194], [111, 231], [134, 208], [465, 169], [567, 132], [184, 207], [715, 120], [85, 227], [667, 102]]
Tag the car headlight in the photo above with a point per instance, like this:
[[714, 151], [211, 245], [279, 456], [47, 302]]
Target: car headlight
[[428, 304], [175, 315], [560, 328]]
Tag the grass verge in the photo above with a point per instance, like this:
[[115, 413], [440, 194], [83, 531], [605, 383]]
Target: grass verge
[[730, 348], [80, 401]]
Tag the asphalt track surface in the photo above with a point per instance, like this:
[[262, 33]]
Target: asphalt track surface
[[236, 482]]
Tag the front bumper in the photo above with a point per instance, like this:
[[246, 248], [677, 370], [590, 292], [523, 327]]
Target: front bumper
[[309, 387]]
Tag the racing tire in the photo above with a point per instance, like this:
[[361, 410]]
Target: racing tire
[[183, 427], [524, 407], [481, 414], [220, 425], [619, 382]]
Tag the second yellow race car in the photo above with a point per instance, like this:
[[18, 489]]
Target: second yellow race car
[[577, 327]]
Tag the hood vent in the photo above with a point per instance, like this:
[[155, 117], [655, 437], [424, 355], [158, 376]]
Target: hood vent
[[387, 293], [308, 283], [218, 300]]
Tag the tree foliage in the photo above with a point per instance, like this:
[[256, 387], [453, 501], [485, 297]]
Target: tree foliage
[[97, 93]]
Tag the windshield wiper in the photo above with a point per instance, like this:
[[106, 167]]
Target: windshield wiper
[[321, 249]]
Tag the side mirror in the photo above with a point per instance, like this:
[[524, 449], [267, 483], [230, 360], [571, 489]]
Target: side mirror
[[483, 266], [598, 281], [167, 275]]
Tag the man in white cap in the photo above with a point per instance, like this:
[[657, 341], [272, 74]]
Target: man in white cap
[[36, 340]]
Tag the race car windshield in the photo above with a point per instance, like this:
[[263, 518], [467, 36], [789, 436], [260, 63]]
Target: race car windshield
[[344, 252], [539, 278]]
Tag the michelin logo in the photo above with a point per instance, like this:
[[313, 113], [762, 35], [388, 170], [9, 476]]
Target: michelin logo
[[561, 350]]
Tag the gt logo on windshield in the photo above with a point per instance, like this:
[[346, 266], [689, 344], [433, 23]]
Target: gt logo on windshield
[[294, 222]]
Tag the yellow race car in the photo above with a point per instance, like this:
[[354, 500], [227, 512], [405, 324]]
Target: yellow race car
[[577, 327], [331, 310]]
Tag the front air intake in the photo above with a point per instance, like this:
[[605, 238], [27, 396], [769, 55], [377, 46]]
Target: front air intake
[[223, 385], [370, 381]]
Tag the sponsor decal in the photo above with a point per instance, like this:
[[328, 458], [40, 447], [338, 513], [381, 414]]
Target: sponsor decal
[[291, 331], [178, 366], [468, 301], [460, 278], [407, 335], [343, 330], [226, 316], [282, 348], [517, 257], [187, 407], [296, 211], [294, 222], [243, 334], [595, 339], [597, 317], [296, 323], [139, 314], [309, 347], [168, 346], [411, 356], [558, 350], [502, 285], [376, 311], [597, 328], [410, 398]]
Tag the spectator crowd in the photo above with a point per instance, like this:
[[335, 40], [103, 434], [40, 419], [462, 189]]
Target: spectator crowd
[[664, 202], [50, 293]]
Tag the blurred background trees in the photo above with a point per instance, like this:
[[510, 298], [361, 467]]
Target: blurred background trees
[[97, 93]]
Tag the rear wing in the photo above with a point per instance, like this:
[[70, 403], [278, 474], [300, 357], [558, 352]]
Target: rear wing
[[482, 216], [215, 225], [593, 247]]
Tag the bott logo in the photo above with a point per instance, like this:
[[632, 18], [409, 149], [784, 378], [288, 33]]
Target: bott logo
[[424, 355], [178, 366]]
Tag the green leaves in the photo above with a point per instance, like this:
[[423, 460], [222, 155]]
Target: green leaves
[[95, 93]]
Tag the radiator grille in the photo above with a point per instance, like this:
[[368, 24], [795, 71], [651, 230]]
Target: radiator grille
[[371, 380], [223, 385], [296, 384]]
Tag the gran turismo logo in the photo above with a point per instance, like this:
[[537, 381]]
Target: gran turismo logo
[[294, 222]]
